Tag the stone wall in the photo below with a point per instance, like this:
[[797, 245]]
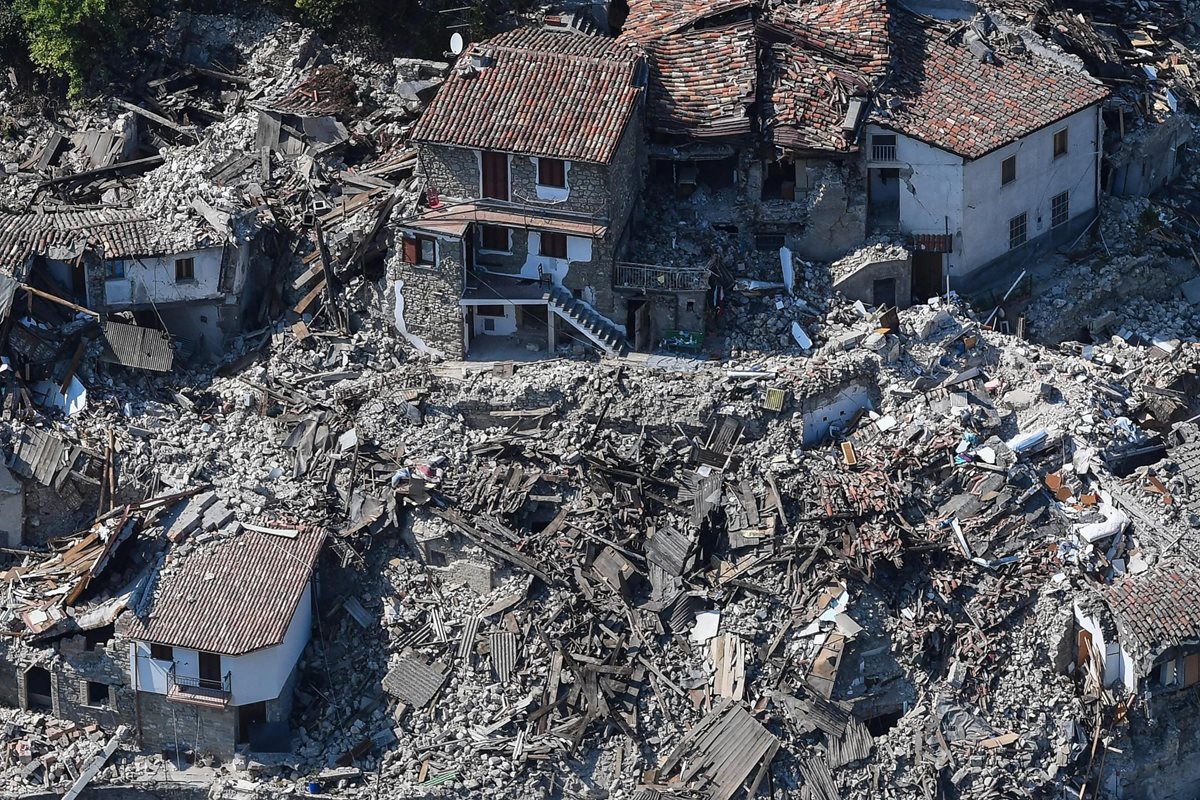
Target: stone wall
[[430, 297], [72, 666], [592, 281], [626, 178], [860, 284], [196, 728], [453, 171]]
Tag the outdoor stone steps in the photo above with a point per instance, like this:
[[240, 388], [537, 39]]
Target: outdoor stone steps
[[598, 329]]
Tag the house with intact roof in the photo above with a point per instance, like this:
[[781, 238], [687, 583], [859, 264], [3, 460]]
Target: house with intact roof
[[984, 151], [531, 157], [215, 651]]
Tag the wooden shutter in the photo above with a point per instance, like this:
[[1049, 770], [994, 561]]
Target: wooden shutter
[[552, 172], [410, 252], [554, 245], [495, 176], [1191, 669]]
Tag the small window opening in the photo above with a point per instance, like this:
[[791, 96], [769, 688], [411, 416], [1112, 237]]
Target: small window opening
[[97, 694], [185, 269], [1008, 170]]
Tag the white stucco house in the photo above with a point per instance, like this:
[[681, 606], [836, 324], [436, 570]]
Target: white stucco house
[[982, 156], [220, 639], [1142, 632]]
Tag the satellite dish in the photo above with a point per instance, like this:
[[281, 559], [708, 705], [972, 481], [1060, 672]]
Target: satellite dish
[[456, 43]]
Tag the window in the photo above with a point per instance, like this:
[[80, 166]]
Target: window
[[552, 172], [883, 147], [162, 652], [490, 311], [420, 250], [185, 269], [1060, 209], [1016, 231], [494, 237], [1060, 143], [554, 245], [1008, 170], [438, 559], [114, 270], [97, 694]]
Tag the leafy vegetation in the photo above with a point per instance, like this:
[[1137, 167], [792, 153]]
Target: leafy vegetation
[[68, 38]]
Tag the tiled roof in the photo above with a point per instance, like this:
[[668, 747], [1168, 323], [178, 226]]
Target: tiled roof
[[558, 94], [850, 31], [113, 232], [805, 99], [235, 596], [1156, 610], [954, 101], [703, 79]]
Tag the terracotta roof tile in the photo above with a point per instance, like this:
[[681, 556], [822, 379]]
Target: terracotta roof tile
[[702, 57], [235, 596], [956, 102], [113, 232], [805, 99], [852, 32], [1156, 610], [558, 94]]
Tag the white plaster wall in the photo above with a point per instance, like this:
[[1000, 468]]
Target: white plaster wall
[[988, 206], [931, 185], [503, 326], [579, 248], [253, 677], [1118, 668], [839, 410], [152, 280]]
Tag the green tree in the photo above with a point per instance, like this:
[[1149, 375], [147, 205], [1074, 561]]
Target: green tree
[[69, 37]]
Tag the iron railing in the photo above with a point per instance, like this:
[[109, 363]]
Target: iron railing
[[646, 277], [883, 152], [217, 689]]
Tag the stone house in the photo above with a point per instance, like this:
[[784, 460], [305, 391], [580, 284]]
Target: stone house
[[531, 155], [214, 654], [197, 287], [982, 158], [1142, 632]]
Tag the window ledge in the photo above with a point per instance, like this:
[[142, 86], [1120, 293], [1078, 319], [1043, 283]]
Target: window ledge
[[186, 281]]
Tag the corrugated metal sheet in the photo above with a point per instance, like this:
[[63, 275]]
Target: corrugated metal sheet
[[413, 681], [854, 745], [504, 655], [235, 596], [468, 639], [134, 346], [668, 548]]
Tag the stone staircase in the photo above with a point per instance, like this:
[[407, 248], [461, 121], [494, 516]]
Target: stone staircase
[[598, 330]]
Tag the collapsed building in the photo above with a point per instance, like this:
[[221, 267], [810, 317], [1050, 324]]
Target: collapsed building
[[862, 551]]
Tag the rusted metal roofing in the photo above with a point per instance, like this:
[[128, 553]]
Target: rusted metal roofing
[[951, 99], [234, 596], [134, 346], [539, 92], [702, 58], [111, 232]]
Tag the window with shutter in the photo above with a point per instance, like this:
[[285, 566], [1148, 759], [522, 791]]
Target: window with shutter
[[554, 245], [552, 172], [410, 250], [494, 237]]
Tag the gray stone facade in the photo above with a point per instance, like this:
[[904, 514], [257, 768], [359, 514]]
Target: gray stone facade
[[431, 295], [72, 667]]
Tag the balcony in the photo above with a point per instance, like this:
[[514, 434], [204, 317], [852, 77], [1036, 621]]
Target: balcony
[[207, 692], [647, 278], [883, 152]]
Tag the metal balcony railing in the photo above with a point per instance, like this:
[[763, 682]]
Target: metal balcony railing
[[650, 278], [883, 152], [205, 691]]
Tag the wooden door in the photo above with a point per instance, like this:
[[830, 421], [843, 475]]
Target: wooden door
[[210, 670], [1191, 669], [926, 275], [495, 176]]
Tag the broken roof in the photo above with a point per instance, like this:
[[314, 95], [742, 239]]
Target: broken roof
[[702, 57], [806, 98], [539, 92], [453, 220], [1156, 610], [849, 31], [114, 232], [234, 596], [954, 101]]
